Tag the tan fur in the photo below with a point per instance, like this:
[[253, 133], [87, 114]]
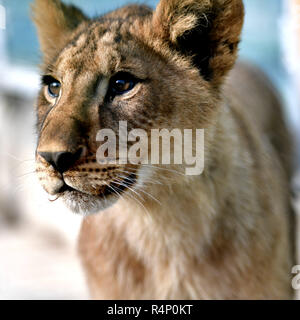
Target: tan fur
[[222, 235]]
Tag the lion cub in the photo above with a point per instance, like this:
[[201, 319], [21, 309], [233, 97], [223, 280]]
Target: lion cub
[[224, 234]]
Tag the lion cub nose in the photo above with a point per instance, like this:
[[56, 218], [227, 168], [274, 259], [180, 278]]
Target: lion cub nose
[[61, 161]]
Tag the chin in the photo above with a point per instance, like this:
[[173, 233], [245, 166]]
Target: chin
[[86, 204]]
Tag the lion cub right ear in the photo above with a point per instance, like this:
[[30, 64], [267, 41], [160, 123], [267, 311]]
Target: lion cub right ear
[[208, 31], [55, 21]]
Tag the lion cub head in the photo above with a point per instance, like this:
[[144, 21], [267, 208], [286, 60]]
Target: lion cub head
[[152, 69]]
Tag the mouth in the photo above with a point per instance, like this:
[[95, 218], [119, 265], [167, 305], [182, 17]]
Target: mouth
[[87, 190], [106, 191], [87, 203]]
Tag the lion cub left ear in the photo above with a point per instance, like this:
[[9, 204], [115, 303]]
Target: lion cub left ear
[[55, 21], [206, 30]]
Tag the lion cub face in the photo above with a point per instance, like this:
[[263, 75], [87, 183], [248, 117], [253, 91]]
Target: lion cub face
[[160, 69]]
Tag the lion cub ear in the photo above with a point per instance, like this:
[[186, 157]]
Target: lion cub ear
[[55, 21], [207, 30]]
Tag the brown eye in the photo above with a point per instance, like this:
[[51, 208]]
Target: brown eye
[[54, 89], [121, 83]]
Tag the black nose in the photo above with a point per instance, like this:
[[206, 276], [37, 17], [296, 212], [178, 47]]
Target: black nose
[[61, 161]]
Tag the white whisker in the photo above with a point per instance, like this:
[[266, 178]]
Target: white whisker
[[140, 189], [139, 202]]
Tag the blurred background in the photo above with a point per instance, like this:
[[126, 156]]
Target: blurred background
[[38, 258]]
